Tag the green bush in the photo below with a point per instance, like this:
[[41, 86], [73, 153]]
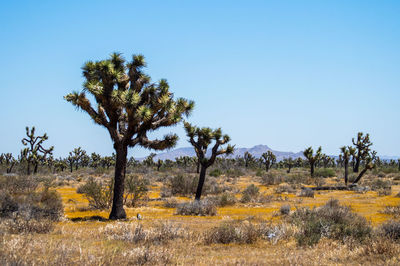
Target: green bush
[[216, 173], [250, 193], [331, 221], [231, 232], [136, 188], [98, 194], [324, 172]]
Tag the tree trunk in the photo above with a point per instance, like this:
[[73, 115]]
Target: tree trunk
[[357, 165], [28, 170], [201, 182], [117, 210], [360, 175], [312, 169], [198, 166], [289, 167], [71, 167], [266, 167], [36, 168], [346, 172]]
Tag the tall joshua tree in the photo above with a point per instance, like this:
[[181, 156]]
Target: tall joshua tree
[[201, 138], [34, 153], [248, 159], [269, 159], [312, 158], [129, 106], [362, 149], [346, 154]]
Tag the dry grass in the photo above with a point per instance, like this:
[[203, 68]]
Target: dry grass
[[163, 237]]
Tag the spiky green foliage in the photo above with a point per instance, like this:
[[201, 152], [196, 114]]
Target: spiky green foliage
[[76, 158], [248, 159], [312, 158], [8, 160], [34, 153], [362, 149], [129, 106], [289, 163], [269, 159], [201, 138]]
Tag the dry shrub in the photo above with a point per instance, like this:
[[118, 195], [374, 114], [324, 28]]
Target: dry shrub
[[97, 193], [391, 229], [198, 208], [392, 210], [271, 179], [331, 221], [171, 203], [22, 226], [250, 194], [380, 247], [285, 209], [284, 189], [232, 232], [223, 200], [136, 233], [307, 192]]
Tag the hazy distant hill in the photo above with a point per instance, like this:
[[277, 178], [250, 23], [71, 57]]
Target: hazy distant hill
[[256, 151]]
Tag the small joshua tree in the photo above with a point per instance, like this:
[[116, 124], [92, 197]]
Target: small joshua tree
[[368, 164], [34, 153], [201, 138], [312, 158], [269, 159], [95, 160], [362, 149], [76, 157], [289, 163], [129, 106], [9, 161], [248, 159]]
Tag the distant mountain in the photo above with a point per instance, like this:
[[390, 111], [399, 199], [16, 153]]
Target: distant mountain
[[256, 151]]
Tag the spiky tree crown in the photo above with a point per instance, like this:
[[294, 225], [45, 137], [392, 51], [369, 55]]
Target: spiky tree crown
[[309, 154], [201, 138], [35, 150], [128, 103]]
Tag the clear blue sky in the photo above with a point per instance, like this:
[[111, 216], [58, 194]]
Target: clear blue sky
[[288, 74]]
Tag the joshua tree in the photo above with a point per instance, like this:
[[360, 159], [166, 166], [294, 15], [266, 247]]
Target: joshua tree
[[362, 149], [9, 161], [269, 159], [159, 164], [345, 154], [248, 158], [312, 158], [129, 106], [201, 138], [108, 161], [60, 164], [289, 162], [149, 160], [368, 163], [76, 157], [95, 160], [34, 153]]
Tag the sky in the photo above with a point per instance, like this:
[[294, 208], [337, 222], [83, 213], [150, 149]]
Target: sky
[[287, 74]]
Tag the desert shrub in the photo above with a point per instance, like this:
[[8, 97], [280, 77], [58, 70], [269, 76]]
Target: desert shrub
[[275, 232], [234, 172], [224, 199], [380, 248], [324, 172], [171, 203], [307, 192], [260, 172], [285, 209], [392, 210], [18, 184], [232, 232], [284, 189], [46, 204], [250, 193], [383, 187], [98, 194], [391, 230], [136, 188], [182, 184], [331, 221], [216, 172], [198, 208], [137, 233], [19, 225], [271, 179], [298, 178]]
